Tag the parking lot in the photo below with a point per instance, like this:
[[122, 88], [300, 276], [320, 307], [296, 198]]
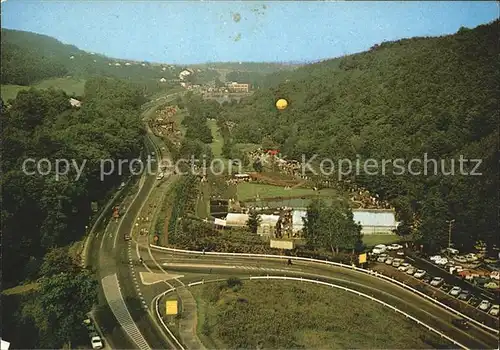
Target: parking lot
[[392, 262]]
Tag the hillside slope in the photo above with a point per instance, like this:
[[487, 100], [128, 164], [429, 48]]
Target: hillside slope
[[28, 58], [435, 96]]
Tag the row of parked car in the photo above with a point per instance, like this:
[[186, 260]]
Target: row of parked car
[[95, 339], [438, 282]]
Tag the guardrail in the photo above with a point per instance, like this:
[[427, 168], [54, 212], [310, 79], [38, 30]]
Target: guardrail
[[321, 283], [157, 309], [352, 267], [365, 296]]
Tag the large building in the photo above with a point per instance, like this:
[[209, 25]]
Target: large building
[[237, 87], [376, 221]]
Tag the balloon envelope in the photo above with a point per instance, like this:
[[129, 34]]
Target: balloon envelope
[[281, 104]]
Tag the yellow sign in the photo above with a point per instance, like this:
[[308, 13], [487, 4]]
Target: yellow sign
[[171, 307], [362, 258], [281, 104]]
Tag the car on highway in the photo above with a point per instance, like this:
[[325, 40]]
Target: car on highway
[[404, 266], [484, 305], [464, 295], [96, 341], [455, 291], [395, 246], [411, 270], [437, 281], [494, 310], [460, 323], [419, 274], [379, 249]]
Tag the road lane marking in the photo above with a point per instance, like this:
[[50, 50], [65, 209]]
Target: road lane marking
[[115, 300]]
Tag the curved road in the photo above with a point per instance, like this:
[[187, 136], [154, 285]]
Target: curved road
[[426, 311]]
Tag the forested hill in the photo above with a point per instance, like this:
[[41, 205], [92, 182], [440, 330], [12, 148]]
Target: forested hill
[[44, 211], [27, 58], [399, 100]]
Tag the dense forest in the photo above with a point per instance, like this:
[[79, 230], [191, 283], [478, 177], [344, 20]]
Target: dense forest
[[434, 96], [39, 212]]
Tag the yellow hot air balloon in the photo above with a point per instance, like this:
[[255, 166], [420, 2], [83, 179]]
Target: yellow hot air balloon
[[281, 104]]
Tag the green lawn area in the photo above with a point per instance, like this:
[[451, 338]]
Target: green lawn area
[[218, 141], [286, 315], [179, 116], [20, 289], [249, 190], [373, 240], [69, 85]]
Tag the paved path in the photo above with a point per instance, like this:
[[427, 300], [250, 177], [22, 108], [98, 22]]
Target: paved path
[[117, 305], [188, 321]]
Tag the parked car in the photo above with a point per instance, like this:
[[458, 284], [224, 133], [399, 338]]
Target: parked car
[[400, 253], [404, 267], [446, 287], [126, 237], [435, 257], [382, 258], [474, 301], [419, 274], [494, 310], [450, 251], [89, 325], [465, 295], [397, 262], [471, 257], [441, 261], [395, 246], [389, 260], [160, 176], [455, 291], [437, 281], [485, 305], [460, 259], [96, 341], [426, 279], [460, 323], [379, 249], [411, 270]]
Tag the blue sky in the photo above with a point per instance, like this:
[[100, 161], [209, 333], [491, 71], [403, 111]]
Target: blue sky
[[202, 31]]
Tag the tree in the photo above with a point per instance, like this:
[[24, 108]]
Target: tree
[[61, 304], [57, 261], [331, 226], [253, 221]]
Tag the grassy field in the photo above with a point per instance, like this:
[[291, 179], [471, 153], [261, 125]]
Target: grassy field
[[373, 240], [218, 141], [69, 85], [282, 314], [249, 190]]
